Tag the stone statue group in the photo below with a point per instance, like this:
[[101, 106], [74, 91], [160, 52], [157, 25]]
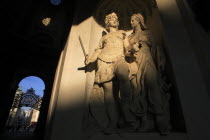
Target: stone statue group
[[128, 93]]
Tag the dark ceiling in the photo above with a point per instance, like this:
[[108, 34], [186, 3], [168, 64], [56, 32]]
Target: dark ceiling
[[21, 19], [23, 32]]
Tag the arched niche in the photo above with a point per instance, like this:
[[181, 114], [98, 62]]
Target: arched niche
[[124, 10], [74, 85]]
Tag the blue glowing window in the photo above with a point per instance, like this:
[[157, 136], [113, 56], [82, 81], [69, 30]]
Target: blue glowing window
[[55, 2]]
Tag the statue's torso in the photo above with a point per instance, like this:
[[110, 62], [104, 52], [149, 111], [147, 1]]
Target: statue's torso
[[113, 47]]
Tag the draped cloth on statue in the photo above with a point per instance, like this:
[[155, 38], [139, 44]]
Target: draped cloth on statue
[[146, 66], [97, 106]]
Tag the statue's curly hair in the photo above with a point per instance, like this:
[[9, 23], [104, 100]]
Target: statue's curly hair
[[110, 16]]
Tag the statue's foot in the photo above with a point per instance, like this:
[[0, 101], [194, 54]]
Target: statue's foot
[[110, 130], [132, 128], [165, 133], [144, 127], [121, 123], [164, 130]]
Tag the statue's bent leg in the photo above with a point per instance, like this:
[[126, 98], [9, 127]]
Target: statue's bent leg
[[154, 94], [156, 100], [135, 88], [122, 72], [110, 104]]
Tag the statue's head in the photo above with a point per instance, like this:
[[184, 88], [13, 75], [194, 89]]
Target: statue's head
[[111, 20], [140, 20]]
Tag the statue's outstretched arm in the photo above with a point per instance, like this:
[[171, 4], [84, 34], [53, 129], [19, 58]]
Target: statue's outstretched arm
[[95, 55]]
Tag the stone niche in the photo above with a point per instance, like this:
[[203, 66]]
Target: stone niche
[[69, 114]]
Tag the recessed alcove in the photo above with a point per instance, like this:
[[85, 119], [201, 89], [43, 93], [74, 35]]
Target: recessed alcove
[[149, 10], [89, 25]]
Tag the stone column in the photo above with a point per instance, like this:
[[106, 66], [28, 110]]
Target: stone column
[[191, 86]]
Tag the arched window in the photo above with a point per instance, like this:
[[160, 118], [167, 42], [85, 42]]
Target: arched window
[[24, 112]]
